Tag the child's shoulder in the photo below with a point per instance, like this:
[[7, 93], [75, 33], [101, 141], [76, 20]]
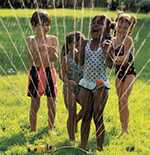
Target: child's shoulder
[[52, 37], [129, 40], [30, 38]]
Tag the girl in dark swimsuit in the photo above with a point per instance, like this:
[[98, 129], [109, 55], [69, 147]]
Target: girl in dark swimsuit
[[122, 53], [122, 71]]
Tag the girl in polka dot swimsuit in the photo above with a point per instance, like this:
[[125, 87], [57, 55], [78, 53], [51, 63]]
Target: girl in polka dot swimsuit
[[94, 84]]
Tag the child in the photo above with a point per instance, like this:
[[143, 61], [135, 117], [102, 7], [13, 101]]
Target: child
[[94, 84], [42, 52], [71, 74], [122, 52]]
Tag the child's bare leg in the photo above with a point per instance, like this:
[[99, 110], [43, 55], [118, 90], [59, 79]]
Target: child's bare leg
[[51, 111], [35, 104], [99, 105], [70, 103], [87, 105], [78, 118], [80, 113], [71, 122], [123, 104]]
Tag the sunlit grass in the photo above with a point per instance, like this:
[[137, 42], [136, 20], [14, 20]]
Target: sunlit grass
[[62, 12], [14, 107]]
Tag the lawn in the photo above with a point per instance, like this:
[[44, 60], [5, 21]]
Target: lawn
[[14, 104]]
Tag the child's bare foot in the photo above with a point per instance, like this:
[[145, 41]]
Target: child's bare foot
[[124, 132], [72, 142], [83, 147], [99, 148]]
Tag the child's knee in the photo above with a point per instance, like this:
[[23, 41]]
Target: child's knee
[[72, 109], [34, 109], [87, 116], [50, 102], [123, 101]]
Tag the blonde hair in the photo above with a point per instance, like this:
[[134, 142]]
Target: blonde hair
[[131, 19]]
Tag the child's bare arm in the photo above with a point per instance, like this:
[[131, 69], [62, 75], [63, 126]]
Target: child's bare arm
[[29, 50], [64, 68], [77, 55], [108, 49], [53, 50], [64, 71]]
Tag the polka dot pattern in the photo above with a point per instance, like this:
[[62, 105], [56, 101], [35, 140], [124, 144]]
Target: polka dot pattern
[[95, 66]]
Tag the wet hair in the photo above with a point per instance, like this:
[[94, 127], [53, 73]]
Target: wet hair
[[40, 17], [72, 37], [118, 15], [133, 23], [102, 18], [109, 25], [130, 19]]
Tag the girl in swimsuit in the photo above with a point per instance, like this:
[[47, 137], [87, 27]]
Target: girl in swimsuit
[[122, 50], [94, 84], [71, 73]]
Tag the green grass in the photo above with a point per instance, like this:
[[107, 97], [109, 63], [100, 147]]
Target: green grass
[[14, 107], [53, 12], [63, 12], [14, 104]]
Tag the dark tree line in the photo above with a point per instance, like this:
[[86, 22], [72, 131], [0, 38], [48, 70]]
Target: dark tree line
[[50, 3], [131, 5], [24, 3]]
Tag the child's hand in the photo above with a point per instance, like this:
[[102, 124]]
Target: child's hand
[[51, 51], [75, 50], [71, 83], [117, 60], [42, 47], [107, 45]]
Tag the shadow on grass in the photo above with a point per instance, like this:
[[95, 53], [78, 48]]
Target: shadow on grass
[[21, 139], [108, 138], [91, 144], [16, 139], [38, 135]]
